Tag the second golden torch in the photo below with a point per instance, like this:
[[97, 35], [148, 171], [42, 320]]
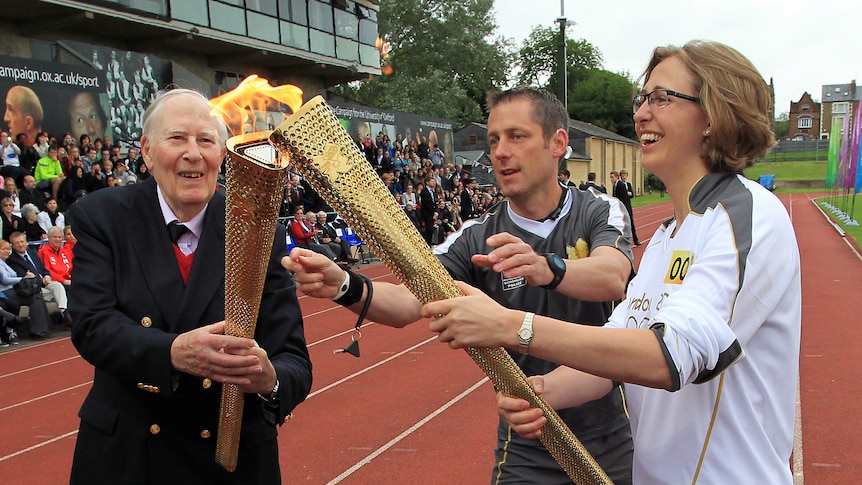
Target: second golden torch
[[323, 152]]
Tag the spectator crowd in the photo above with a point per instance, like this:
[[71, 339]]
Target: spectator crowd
[[39, 180]]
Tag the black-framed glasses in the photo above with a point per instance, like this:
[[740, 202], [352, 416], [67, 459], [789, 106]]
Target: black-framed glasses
[[659, 98]]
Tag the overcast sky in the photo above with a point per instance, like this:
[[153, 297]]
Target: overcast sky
[[801, 44]]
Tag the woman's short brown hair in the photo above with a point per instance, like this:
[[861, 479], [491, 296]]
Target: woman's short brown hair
[[734, 96]]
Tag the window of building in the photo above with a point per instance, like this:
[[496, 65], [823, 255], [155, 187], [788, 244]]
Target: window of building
[[368, 32], [473, 139], [804, 122], [155, 7], [293, 35], [263, 27], [346, 25], [348, 50], [839, 108], [268, 7], [192, 11], [805, 107], [294, 11], [320, 16], [227, 18], [321, 42]]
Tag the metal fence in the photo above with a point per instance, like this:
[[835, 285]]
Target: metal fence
[[794, 151]]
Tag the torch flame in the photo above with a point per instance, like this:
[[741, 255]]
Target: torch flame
[[253, 105]]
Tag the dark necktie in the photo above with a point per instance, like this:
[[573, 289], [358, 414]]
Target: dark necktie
[[32, 266], [176, 230]]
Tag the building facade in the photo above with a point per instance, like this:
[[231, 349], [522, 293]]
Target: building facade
[[804, 119], [120, 52], [839, 102]]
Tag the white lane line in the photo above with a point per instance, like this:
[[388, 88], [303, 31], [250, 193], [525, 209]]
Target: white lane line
[[39, 445], [363, 371], [405, 434], [798, 476], [45, 396], [22, 371]]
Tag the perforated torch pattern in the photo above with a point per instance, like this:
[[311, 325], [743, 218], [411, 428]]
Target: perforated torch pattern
[[254, 193], [323, 152]]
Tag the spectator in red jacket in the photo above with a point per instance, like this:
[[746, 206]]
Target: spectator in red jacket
[[305, 235], [56, 257]]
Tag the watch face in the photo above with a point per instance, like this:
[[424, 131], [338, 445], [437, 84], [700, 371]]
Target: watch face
[[525, 334], [556, 263]]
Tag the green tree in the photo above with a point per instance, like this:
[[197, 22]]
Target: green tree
[[537, 58], [604, 99], [596, 96], [782, 125], [446, 41]]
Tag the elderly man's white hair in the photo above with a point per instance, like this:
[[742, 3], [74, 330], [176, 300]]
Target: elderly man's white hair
[[151, 116]]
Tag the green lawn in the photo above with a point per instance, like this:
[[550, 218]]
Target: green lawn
[[807, 170]]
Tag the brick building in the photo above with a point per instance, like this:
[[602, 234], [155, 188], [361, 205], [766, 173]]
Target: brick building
[[804, 120]]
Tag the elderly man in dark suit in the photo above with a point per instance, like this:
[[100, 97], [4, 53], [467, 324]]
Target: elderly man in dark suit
[[149, 316]]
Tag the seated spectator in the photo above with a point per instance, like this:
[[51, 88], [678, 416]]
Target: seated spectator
[[9, 220], [69, 239], [39, 323], [30, 194], [95, 180], [73, 183], [24, 260], [123, 174], [51, 217], [410, 210], [12, 192], [29, 224], [305, 236], [143, 171], [408, 197], [49, 171], [10, 153], [329, 236], [56, 257], [89, 158]]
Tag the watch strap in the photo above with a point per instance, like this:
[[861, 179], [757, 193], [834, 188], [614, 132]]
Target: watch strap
[[525, 333]]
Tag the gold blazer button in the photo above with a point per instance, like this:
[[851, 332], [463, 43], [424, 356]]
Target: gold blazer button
[[155, 429], [205, 434], [207, 383], [146, 321]]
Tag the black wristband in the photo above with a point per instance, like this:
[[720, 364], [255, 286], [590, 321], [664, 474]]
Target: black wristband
[[354, 291]]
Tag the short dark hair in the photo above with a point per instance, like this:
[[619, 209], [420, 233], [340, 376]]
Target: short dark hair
[[548, 111]]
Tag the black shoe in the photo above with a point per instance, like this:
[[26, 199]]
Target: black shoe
[[13, 338], [3, 342], [38, 336]]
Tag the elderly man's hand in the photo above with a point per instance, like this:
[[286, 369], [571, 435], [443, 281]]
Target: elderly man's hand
[[207, 352]]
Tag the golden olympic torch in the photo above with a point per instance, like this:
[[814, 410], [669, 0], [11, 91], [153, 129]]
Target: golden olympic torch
[[254, 194], [256, 178], [322, 151]]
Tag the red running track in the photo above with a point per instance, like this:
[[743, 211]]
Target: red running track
[[411, 410]]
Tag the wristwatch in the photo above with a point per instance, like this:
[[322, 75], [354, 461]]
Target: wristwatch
[[558, 267], [525, 333], [273, 395]]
